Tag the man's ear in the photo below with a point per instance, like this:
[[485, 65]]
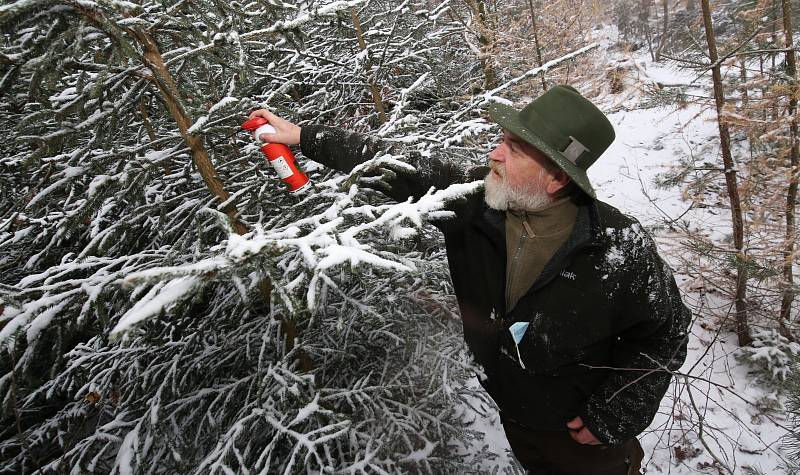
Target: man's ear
[[557, 182]]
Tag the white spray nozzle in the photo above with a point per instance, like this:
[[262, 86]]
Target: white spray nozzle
[[264, 129]]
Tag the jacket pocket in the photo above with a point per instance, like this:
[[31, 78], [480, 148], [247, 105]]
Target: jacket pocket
[[569, 326]]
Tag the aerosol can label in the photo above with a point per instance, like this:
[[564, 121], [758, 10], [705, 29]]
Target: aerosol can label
[[283, 168]]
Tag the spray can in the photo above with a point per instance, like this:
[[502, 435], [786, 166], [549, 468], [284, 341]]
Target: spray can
[[279, 156]]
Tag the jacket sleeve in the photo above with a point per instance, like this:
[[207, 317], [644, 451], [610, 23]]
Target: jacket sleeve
[[651, 344], [342, 150]]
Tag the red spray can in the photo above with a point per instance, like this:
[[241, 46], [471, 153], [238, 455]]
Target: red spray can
[[279, 156]]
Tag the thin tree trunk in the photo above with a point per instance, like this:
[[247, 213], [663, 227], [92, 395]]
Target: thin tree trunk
[[376, 92], [536, 43], [743, 87], [649, 37], [742, 326], [791, 195], [774, 24], [663, 41], [744, 103], [764, 113], [644, 23], [167, 86], [486, 40], [169, 91], [200, 156]]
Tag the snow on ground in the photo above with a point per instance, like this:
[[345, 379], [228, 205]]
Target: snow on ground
[[736, 434], [717, 419]]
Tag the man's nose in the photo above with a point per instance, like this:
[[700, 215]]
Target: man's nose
[[496, 154]]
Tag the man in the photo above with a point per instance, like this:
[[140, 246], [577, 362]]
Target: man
[[565, 303]]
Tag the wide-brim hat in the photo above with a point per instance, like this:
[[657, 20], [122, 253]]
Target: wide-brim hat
[[563, 125]]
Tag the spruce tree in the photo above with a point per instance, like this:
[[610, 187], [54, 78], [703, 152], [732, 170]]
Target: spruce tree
[[166, 306]]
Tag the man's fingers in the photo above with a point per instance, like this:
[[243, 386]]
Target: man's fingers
[[580, 433], [259, 113], [584, 436], [285, 131], [589, 438], [579, 436], [265, 113], [575, 424]]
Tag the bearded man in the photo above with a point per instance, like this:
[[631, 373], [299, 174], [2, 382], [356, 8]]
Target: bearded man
[[575, 320]]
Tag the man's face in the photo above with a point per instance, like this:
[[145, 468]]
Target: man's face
[[519, 178]]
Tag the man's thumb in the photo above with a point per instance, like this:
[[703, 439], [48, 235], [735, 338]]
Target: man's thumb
[[575, 424]]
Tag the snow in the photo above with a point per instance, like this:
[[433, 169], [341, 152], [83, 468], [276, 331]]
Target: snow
[[420, 454], [198, 125], [43, 320], [470, 128], [41, 310], [97, 182], [200, 267], [127, 453], [68, 174], [158, 299], [225, 101], [335, 255], [66, 95]]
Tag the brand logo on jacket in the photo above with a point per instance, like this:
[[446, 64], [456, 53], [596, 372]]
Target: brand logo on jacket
[[568, 275]]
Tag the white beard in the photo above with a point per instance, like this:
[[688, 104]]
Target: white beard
[[501, 196]]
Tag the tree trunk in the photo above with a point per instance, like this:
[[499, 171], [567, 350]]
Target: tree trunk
[[166, 85], [791, 195], [742, 326], [744, 102], [373, 87], [169, 91], [664, 32], [536, 43], [486, 40], [774, 40], [764, 89]]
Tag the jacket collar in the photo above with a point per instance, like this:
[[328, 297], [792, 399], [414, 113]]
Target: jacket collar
[[586, 232], [493, 225]]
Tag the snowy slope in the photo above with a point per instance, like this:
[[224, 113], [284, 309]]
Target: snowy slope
[[728, 408]]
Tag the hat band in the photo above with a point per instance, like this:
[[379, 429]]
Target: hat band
[[574, 150]]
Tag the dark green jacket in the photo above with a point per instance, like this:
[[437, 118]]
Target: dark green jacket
[[607, 324]]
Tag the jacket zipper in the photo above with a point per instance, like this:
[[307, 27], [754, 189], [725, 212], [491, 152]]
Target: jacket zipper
[[524, 235]]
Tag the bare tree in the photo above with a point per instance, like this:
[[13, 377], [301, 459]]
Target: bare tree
[[536, 40], [664, 33], [791, 195], [742, 326], [373, 86], [484, 30]]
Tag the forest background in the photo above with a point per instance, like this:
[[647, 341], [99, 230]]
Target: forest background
[[166, 306]]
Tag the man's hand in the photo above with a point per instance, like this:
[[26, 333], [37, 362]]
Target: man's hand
[[580, 433], [285, 132]]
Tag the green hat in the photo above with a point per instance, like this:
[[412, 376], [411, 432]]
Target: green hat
[[563, 125]]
